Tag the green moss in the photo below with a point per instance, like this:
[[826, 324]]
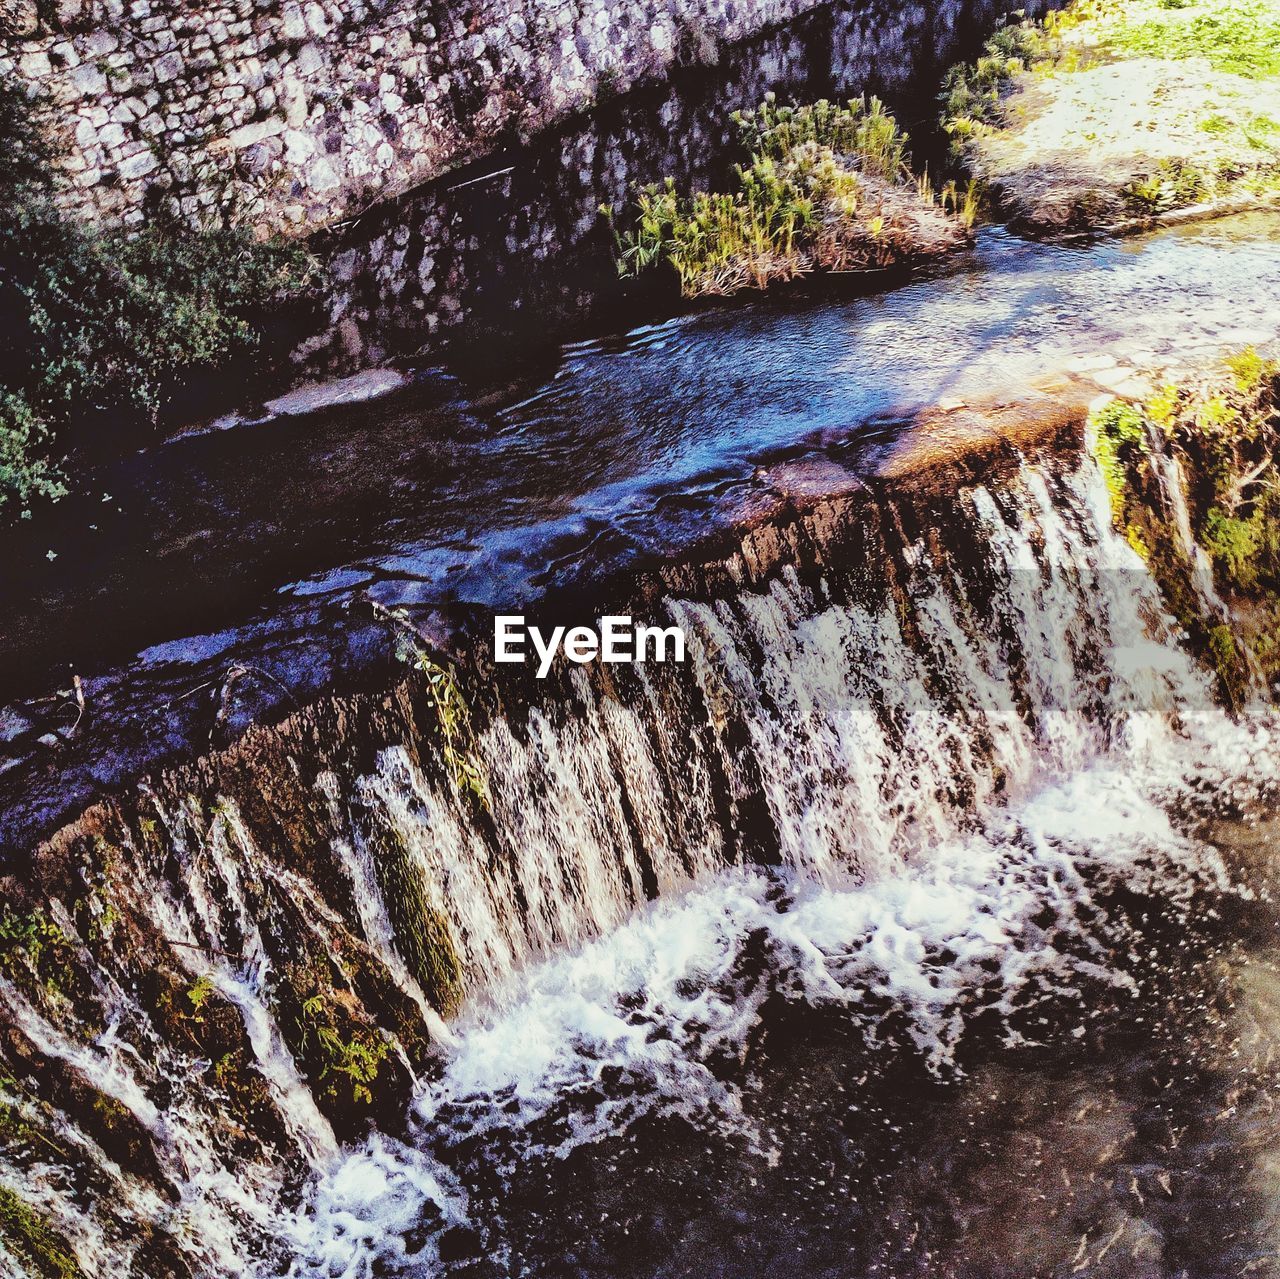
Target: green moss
[[422, 934], [1216, 124], [33, 1241], [1235, 544], [1119, 437], [1223, 430], [1228, 664]]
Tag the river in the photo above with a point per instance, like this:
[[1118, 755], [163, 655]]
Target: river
[[924, 924]]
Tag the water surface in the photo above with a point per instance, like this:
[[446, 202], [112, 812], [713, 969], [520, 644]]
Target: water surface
[[436, 494]]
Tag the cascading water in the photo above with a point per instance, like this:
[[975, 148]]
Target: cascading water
[[929, 775], [952, 811]]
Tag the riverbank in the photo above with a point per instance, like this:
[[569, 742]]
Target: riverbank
[[507, 256], [1117, 114]]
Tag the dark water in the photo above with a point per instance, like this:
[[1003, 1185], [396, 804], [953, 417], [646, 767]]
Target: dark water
[[433, 495], [1122, 1123]]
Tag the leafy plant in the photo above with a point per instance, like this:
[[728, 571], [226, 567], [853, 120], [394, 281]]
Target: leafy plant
[[27, 476], [453, 720], [102, 325], [199, 993], [33, 946], [825, 186], [1173, 185], [356, 1060], [972, 92]]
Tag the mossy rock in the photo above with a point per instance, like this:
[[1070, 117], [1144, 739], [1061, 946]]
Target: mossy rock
[[34, 1242], [422, 933]]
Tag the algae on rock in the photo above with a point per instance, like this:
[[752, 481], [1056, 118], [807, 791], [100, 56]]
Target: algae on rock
[[1199, 461]]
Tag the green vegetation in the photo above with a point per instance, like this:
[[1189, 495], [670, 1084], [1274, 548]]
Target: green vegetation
[[101, 327], [1174, 184], [825, 187], [453, 721], [1241, 39], [352, 1062], [33, 1241], [422, 933], [199, 994], [1224, 432], [1049, 114], [26, 473], [33, 949], [1120, 439], [972, 92]]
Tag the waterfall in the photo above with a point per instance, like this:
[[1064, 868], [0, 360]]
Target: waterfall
[[916, 738]]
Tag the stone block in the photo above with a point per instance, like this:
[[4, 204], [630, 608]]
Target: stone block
[[88, 81], [317, 22], [64, 54], [35, 65], [19, 19], [293, 99], [249, 134], [99, 44], [293, 24], [138, 165]]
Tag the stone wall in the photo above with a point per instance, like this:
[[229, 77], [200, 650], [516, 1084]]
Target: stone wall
[[516, 249], [303, 113]]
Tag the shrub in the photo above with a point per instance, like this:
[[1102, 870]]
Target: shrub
[[825, 186], [26, 474], [100, 325], [972, 92], [114, 322]]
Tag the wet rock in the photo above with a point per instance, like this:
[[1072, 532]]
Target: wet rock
[[13, 724]]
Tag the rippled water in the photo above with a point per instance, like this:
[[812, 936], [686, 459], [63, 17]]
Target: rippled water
[[432, 494]]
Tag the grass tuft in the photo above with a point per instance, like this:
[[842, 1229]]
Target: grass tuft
[[826, 186]]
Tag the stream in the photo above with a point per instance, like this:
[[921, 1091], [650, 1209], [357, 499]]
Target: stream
[[433, 495], [924, 924]]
